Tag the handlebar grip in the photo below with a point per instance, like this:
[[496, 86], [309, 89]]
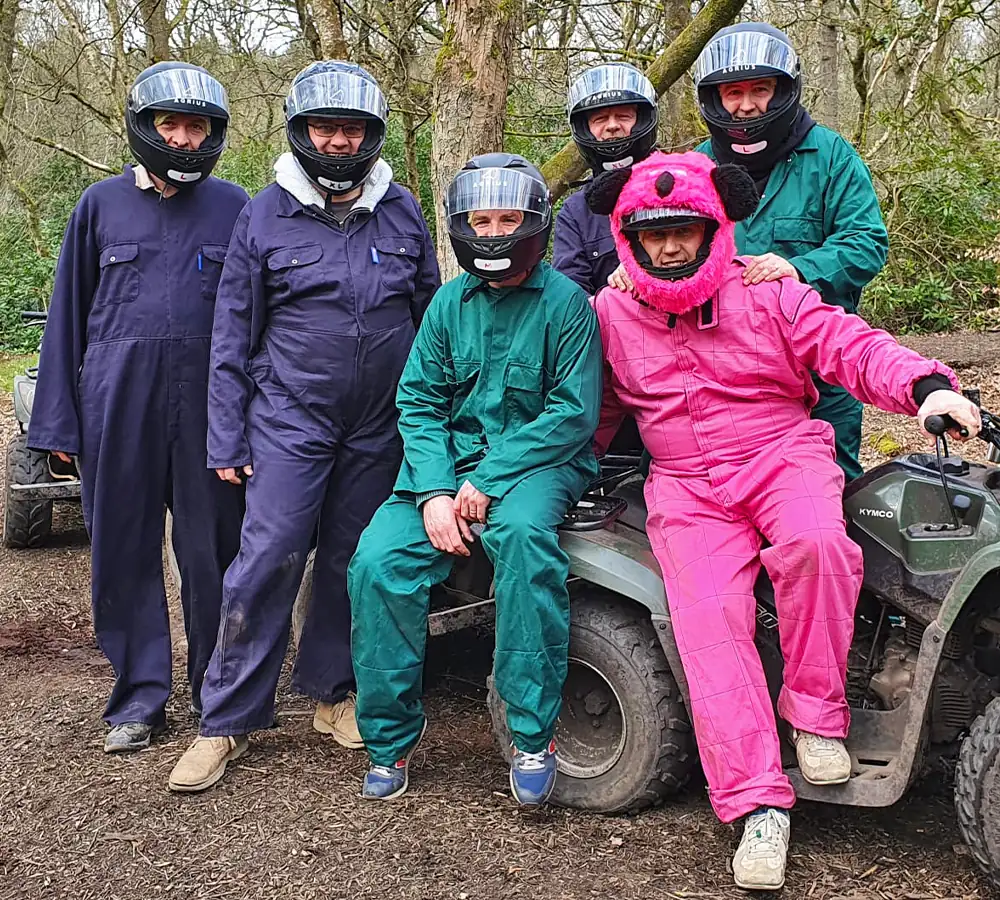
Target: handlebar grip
[[29, 315], [938, 425]]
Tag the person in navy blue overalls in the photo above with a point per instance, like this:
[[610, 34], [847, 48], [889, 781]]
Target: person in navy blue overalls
[[612, 115], [123, 386], [328, 276]]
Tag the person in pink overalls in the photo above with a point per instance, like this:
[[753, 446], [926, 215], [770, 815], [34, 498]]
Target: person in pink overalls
[[717, 376]]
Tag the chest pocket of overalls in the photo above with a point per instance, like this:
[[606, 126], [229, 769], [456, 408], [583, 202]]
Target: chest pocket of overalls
[[397, 263], [119, 280], [295, 267], [796, 235], [523, 394], [461, 378], [598, 250], [212, 258]]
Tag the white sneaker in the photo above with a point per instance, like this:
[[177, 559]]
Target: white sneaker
[[822, 760], [759, 863]]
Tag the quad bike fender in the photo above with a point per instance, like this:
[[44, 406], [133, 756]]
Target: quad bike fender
[[615, 559], [980, 565], [24, 398], [617, 562]]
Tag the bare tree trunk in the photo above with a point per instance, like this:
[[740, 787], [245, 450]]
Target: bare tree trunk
[[680, 122], [119, 68], [8, 36], [410, 151], [470, 95], [329, 19], [827, 109], [157, 29], [8, 32], [308, 28]]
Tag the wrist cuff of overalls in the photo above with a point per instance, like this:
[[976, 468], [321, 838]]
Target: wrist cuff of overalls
[[421, 499]]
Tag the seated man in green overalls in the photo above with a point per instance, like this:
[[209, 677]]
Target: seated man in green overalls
[[498, 405]]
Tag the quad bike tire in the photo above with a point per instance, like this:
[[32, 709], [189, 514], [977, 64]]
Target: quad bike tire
[[26, 523], [977, 791], [637, 749]]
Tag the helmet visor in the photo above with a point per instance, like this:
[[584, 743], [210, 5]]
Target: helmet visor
[[744, 54], [609, 85], [496, 188], [660, 218], [180, 87], [322, 92]]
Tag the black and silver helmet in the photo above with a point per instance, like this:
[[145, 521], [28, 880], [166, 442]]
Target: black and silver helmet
[[183, 88], [499, 181], [336, 89], [613, 84], [746, 52]]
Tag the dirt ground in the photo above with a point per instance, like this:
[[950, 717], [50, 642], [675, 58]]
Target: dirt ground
[[287, 822]]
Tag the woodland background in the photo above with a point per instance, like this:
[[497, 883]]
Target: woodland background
[[914, 85]]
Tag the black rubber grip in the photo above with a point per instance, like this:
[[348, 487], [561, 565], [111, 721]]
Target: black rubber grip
[[938, 425]]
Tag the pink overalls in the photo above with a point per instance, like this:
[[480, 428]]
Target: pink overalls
[[721, 395]]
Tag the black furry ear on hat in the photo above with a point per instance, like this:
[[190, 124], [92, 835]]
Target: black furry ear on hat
[[736, 191], [602, 192]]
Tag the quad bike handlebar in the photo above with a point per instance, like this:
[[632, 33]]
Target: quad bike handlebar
[[940, 425], [990, 431]]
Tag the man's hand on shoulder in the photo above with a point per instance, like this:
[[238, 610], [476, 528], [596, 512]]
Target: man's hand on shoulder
[[769, 267], [620, 281], [445, 528]]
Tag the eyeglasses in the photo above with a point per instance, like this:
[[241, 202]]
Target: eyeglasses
[[352, 130]]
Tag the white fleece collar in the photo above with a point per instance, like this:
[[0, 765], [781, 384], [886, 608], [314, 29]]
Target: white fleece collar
[[292, 178]]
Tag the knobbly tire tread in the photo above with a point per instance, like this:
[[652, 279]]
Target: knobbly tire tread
[[26, 523], [979, 755], [628, 629]]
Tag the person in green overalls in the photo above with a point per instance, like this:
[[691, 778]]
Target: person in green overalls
[[498, 404], [818, 220]]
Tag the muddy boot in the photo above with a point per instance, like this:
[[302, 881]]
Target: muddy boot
[[338, 720], [204, 762], [759, 863]]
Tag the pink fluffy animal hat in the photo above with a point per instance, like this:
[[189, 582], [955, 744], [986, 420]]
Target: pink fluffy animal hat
[[681, 185]]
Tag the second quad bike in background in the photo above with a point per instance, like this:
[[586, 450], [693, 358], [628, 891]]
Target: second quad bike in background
[[35, 481]]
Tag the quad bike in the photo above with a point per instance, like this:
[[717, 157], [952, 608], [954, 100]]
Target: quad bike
[[34, 480], [923, 673]]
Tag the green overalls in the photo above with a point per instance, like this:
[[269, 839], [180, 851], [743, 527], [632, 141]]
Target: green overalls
[[503, 388]]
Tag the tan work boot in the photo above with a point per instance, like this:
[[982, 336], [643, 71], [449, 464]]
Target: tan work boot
[[204, 762], [339, 720], [822, 760]]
